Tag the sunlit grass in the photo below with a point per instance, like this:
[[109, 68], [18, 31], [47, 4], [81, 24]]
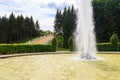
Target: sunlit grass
[[60, 67], [61, 49]]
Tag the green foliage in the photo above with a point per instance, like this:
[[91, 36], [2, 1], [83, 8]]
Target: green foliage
[[71, 44], [59, 41], [58, 23], [106, 47], [4, 29], [69, 24], [107, 17], [15, 48], [65, 24], [114, 42], [62, 49], [54, 44], [16, 29], [100, 47]]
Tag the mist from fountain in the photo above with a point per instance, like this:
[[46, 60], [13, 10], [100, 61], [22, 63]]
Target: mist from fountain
[[85, 35]]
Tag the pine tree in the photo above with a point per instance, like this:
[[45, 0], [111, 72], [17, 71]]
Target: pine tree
[[37, 27], [69, 24], [4, 30], [65, 25], [12, 28], [58, 24], [18, 29], [106, 16]]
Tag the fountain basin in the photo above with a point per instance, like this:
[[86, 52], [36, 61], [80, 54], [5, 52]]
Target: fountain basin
[[60, 67]]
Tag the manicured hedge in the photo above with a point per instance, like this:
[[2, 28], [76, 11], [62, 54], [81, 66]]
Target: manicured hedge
[[15, 48], [105, 47]]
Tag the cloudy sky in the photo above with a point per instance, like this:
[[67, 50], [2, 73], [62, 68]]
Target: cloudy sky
[[42, 10]]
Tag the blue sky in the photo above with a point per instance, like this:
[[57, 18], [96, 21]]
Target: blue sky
[[42, 10]]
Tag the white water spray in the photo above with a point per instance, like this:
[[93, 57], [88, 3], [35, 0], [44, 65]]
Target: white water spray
[[85, 36]]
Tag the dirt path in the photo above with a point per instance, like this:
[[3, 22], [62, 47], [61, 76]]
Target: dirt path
[[42, 40]]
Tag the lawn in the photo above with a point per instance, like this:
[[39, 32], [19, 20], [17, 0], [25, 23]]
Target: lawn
[[60, 67]]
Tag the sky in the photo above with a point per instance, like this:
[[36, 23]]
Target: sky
[[42, 10]]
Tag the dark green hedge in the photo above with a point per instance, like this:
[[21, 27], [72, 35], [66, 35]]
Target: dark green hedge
[[105, 47], [13, 48]]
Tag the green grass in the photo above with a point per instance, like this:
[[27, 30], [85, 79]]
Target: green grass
[[61, 49], [60, 67], [25, 41]]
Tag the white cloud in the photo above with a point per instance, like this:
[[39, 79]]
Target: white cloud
[[39, 9]]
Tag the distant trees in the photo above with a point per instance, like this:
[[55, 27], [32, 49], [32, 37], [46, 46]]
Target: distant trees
[[64, 25], [4, 29], [16, 29], [107, 19], [69, 24]]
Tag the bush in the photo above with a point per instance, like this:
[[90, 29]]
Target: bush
[[13, 48], [114, 42], [54, 44], [104, 47], [71, 44], [60, 41]]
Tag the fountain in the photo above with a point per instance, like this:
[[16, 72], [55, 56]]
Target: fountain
[[85, 36]]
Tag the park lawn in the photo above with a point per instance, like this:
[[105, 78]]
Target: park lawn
[[60, 67], [61, 49]]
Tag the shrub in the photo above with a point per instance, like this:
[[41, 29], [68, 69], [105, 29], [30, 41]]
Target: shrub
[[114, 42], [54, 44], [71, 44], [15, 48], [60, 41], [104, 47]]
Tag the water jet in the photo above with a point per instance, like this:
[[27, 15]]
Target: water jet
[[85, 37]]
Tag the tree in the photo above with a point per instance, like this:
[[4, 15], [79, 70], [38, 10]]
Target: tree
[[69, 24], [54, 44], [58, 27], [37, 27], [18, 29], [106, 16], [21, 28], [99, 18], [114, 42], [58, 24], [65, 25], [12, 28], [4, 30], [71, 44]]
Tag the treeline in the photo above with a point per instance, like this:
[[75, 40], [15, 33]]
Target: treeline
[[16, 29], [107, 19], [64, 25]]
